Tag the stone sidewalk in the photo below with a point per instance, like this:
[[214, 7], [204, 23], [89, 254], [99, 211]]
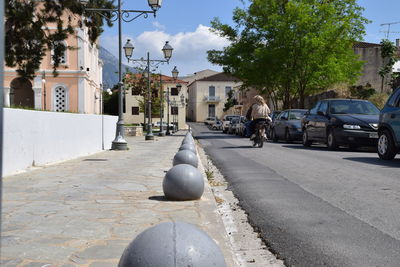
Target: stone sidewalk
[[84, 212]]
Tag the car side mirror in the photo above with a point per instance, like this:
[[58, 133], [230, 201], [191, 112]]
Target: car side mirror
[[321, 113]]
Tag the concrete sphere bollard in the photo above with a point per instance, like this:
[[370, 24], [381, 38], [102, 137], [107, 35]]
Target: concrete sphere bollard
[[188, 140], [183, 182], [189, 147], [171, 244], [189, 135], [185, 157]]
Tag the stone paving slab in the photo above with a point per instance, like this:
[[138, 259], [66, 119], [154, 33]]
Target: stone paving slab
[[84, 212]]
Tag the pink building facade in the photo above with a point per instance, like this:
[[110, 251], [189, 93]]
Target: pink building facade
[[76, 89]]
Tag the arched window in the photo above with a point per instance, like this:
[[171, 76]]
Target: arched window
[[21, 93], [60, 98], [63, 57]]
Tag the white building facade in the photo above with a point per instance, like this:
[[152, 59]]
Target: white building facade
[[207, 96]]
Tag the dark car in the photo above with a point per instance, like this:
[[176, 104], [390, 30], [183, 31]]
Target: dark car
[[287, 125], [350, 122], [268, 127], [389, 127]]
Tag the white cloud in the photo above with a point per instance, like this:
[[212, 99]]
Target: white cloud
[[158, 25], [189, 53]]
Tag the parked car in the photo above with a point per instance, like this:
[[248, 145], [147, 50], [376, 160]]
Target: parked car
[[351, 122], [389, 127], [287, 125], [226, 121], [240, 127], [158, 123], [273, 115], [210, 120], [217, 125], [233, 124]]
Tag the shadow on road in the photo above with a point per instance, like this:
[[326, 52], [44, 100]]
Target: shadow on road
[[322, 147], [376, 161], [215, 137], [234, 147], [300, 146]]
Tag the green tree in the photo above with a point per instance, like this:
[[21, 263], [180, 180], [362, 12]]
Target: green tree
[[230, 101], [138, 83], [28, 36], [291, 49], [389, 57]]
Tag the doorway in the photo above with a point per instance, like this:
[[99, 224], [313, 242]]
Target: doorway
[[21, 93], [211, 110]]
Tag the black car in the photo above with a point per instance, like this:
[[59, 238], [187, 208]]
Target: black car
[[287, 125], [350, 122]]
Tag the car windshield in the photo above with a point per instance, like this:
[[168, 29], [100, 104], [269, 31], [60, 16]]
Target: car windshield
[[296, 114], [229, 118], [353, 107]]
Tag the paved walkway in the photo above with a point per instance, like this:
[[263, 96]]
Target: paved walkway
[[84, 212]]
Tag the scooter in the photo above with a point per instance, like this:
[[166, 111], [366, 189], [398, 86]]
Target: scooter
[[260, 134]]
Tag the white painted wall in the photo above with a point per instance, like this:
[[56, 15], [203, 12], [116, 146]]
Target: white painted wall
[[37, 137]]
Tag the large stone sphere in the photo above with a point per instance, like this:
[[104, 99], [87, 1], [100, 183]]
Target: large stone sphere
[[188, 141], [185, 157], [172, 244], [189, 147], [183, 182], [189, 135]]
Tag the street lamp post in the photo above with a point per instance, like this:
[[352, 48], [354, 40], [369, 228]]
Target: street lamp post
[[44, 89], [167, 51], [175, 73], [119, 14], [178, 87], [168, 133], [175, 124], [161, 107]]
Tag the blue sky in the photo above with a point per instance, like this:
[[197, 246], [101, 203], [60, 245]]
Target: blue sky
[[185, 23]]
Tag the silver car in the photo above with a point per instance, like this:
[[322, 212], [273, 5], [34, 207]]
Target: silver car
[[226, 122]]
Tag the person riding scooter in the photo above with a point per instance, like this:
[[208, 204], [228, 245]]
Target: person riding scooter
[[259, 112]]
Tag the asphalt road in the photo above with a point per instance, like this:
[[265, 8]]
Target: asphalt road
[[314, 207]]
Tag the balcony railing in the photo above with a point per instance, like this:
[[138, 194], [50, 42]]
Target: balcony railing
[[212, 98]]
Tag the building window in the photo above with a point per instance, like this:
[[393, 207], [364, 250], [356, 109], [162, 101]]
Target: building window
[[174, 110], [227, 90], [135, 110], [60, 99], [63, 57], [154, 93], [211, 91], [174, 91], [135, 91]]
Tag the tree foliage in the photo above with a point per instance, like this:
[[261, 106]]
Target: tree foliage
[[230, 101], [293, 48], [389, 57], [139, 84], [28, 35]]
